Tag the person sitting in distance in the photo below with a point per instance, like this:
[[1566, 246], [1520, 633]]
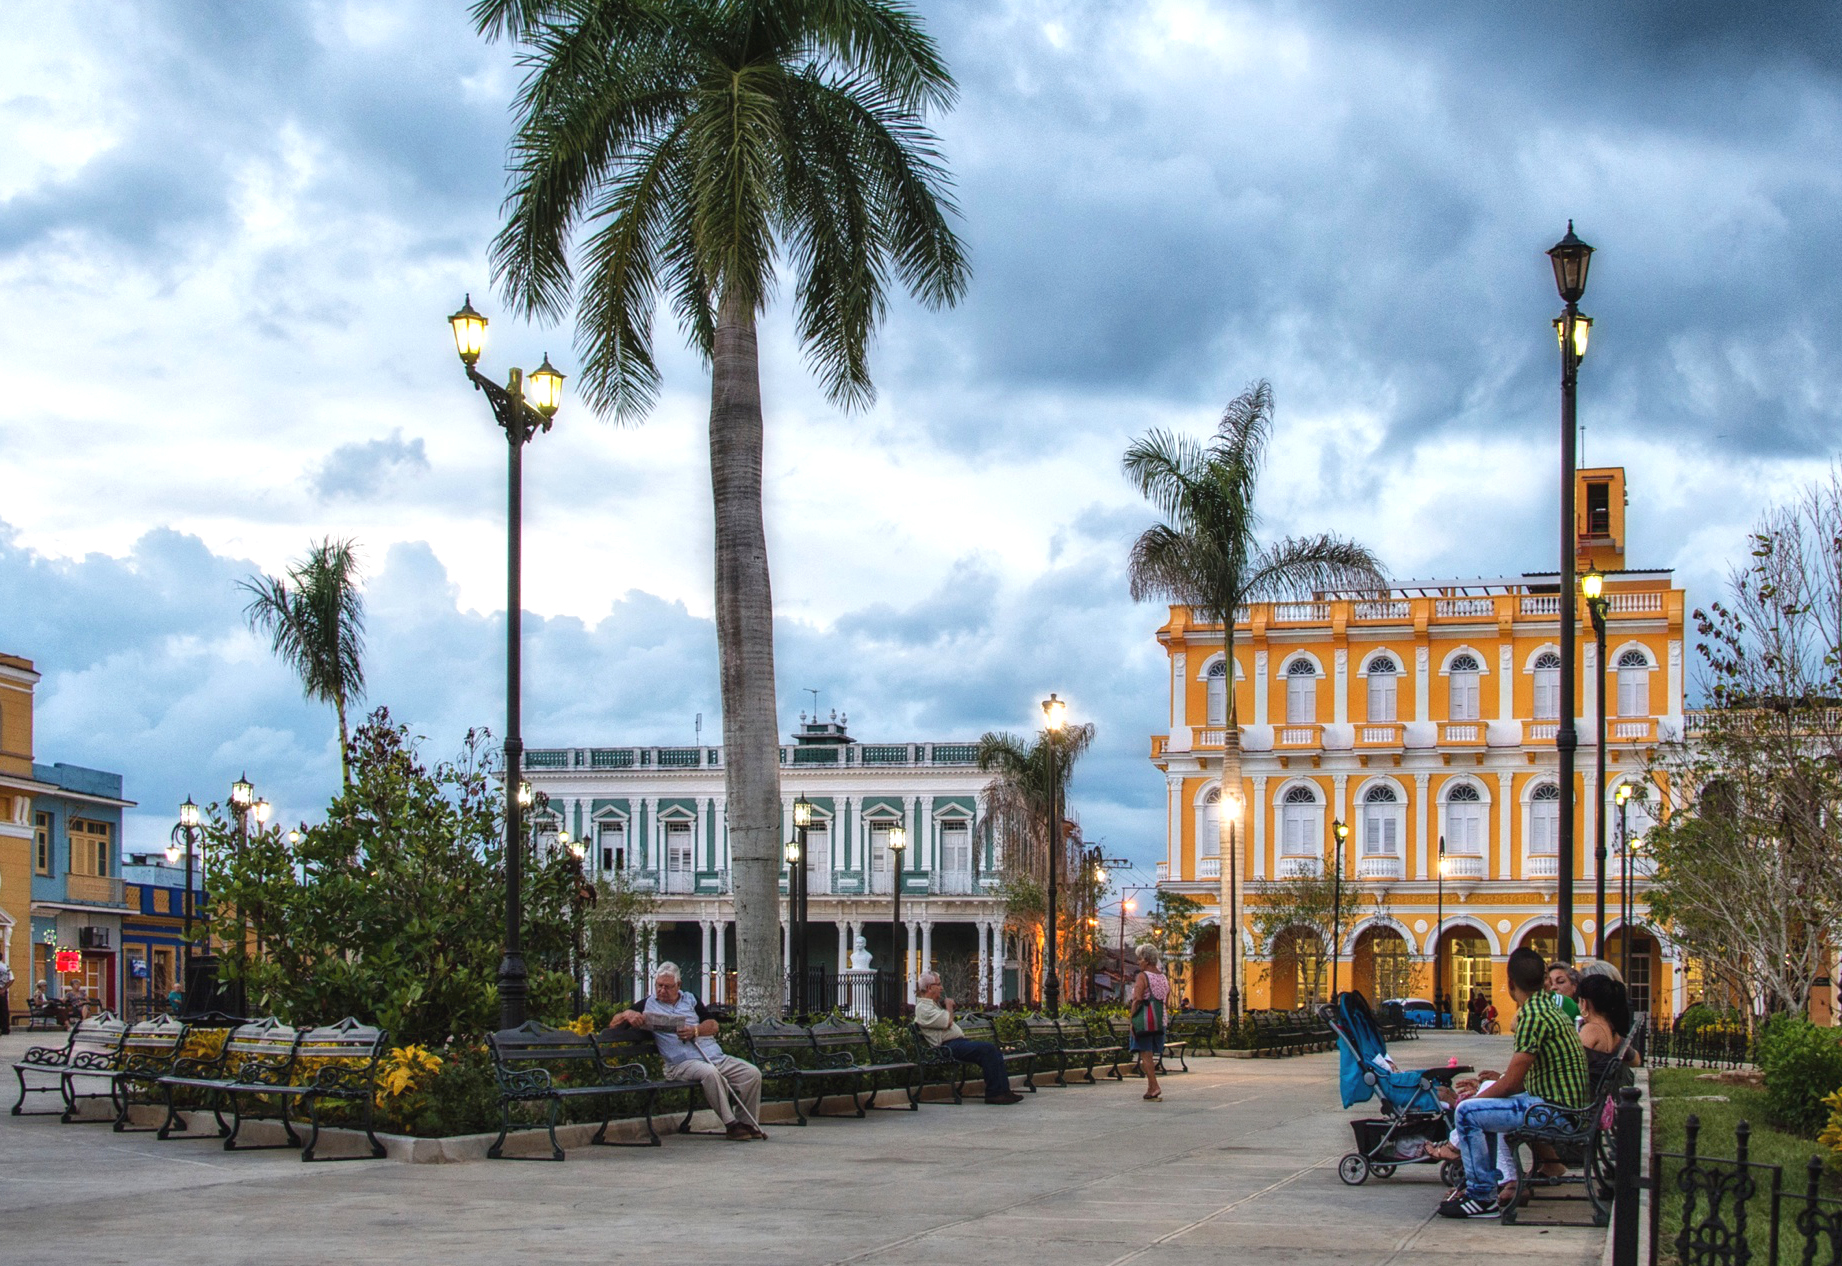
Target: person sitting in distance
[[731, 1086], [934, 1021]]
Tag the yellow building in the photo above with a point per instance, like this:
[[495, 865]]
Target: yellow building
[[1425, 714], [17, 787]]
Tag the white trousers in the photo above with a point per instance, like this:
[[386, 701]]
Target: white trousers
[[729, 1085]]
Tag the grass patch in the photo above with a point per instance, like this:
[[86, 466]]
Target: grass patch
[[1675, 1098]]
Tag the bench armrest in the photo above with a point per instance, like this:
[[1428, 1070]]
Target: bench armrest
[[92, 1062], [342, 1079], [515, 1083], [45, 1056], [777, 1064], [889, 1055]]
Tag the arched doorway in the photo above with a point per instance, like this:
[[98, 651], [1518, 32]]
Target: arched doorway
[[1299, 971], [1381, 967], [1465, 956]]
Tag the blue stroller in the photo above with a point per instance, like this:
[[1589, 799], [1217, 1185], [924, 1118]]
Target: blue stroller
[[1412, 1117]]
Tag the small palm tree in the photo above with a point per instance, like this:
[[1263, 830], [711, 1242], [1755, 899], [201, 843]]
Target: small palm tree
[[1207, 556], [697, 146], [315, 621], [1019, 802]]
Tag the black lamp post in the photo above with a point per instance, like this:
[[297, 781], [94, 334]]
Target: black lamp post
[[1439, 941], [898, 938], [1571, 258], [1627, 883], [1593, 586], [520, 420], [582, 893], [1339, 833], [797, 911], [1231, 804], [1055, 713]]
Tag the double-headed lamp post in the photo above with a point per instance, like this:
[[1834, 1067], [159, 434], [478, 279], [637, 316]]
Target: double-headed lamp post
[[581, 893], [898, 941], [522, 408], [1231, 804], [1339, 833], [797, 911], [1592, 585], [1055, 718], [1627, 882], [184, 840], [1571, 258]]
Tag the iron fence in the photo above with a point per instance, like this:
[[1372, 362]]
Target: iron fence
[[1717, 1211], [1702, 1046]]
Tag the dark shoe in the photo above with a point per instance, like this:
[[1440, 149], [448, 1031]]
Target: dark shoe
[[1469, 1207], [1009, 1098], [757, 1133], [740, 1133]]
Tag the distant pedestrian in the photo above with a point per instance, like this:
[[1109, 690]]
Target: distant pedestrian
[[6, 1000], [1150, 994]]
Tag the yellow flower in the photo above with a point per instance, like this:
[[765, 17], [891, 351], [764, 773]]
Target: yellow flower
[[1831, 1137]]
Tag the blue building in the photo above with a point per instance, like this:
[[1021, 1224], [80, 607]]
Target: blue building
[[78, 895], [152, 938]]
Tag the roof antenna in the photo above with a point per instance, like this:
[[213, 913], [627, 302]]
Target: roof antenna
[[700, 730], [815, 703]]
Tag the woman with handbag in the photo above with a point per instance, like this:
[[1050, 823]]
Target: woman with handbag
[[1150, 993]]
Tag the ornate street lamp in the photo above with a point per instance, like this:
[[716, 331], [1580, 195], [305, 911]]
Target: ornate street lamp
[[1055, 716], [797, 910], [1340, 833], [1231, 804], [521, 410], [1592, 586], [1571, 259], [898, 940], [186, 831]]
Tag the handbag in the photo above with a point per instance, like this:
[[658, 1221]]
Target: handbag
[[1148, 1015]]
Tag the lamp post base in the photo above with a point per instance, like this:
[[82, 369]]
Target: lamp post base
[[514, 991], [1052, 993]]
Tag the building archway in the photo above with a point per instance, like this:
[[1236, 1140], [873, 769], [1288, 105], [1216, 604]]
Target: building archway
[[1298, 972], [1381, 964]]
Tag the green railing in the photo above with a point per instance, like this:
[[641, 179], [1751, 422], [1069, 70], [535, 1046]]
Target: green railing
[[956, 753], [680, 757], [885, 753], [611, 758], [542, 758]]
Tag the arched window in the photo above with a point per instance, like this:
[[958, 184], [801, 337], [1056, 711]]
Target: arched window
[[1633, 684], [1301, 824], [1464, 820], [1383, 679], [1545, 819], [1209, 825], [1301, 692], [1381, 822], [1462, 684], [1218, 692], [1547, 686]]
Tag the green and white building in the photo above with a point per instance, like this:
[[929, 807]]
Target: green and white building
[[657, 815]]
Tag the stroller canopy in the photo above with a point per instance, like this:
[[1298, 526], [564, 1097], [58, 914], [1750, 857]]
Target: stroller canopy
[[1363, 1066]]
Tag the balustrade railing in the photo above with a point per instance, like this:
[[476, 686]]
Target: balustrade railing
[[1378, 867], [1464, 608], [1208, 868]]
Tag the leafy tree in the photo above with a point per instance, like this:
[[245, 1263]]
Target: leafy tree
[[698, 146], [619, 930], [391, 910], [1030, 777], [1747, 856], [1206, 554], [315, 621], [1301, 906]]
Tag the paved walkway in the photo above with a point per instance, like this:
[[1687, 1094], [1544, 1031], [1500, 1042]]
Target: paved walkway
[[1238, 1163]]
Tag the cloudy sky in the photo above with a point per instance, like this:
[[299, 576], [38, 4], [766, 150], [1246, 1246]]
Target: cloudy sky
[[230, 231]]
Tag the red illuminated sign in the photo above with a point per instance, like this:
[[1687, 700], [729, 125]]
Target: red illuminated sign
[[69, 960]]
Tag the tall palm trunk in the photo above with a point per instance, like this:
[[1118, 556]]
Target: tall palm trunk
[[345, 765], [745, 650], [1228, 943]]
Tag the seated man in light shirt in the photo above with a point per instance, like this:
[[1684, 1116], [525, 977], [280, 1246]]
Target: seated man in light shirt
[[934, 1020], [731, 1086]]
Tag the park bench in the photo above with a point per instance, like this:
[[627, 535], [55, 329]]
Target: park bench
[[786, 1053], [536, 1064], [977, 1028], [1577, 1138], [1054, 1049], [873, 1063], [1107, 1043], [95, 1039], [147, 1051], [1121, 1028], [1193, 1028], [256, 1059], [336, 1064]]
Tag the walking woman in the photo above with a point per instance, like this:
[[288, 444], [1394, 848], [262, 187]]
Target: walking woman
[[1150, 992]]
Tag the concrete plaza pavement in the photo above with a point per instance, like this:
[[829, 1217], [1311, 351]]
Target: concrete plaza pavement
[[1237, 1164]]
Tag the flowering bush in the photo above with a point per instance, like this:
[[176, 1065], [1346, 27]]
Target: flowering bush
[[1831, 1137]]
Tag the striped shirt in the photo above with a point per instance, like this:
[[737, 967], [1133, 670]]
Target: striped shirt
[[1559, 1073]]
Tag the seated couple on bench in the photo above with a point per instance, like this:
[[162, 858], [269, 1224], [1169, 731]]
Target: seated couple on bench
[[934, 1021], [731, 1086]]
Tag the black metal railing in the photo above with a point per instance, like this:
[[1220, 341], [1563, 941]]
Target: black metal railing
[[1702, 1046], [1717, 1211]]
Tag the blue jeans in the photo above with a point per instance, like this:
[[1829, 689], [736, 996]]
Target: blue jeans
[[987, 1057], [1479, 1121]]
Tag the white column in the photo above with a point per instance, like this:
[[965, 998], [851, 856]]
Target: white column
[[1678, 984], [997, 964], [984, 976], [1506, 806], [1260, 691], [1675, 689], [1179, 693], [1422, 687], [932, 850], [1506, 682], [704, 975], [1340, 791], [927, 946], [652, 952], [722, 835], [1256, 812], [912, 950], [1589, 688], [917, 851], [1173, 826], [1421, 848], [722, 949], [1589, 807], [1341, 715], [844, 951]]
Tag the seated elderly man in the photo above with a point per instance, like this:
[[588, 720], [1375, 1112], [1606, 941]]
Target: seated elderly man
[[934, 1020], [731, 1086]]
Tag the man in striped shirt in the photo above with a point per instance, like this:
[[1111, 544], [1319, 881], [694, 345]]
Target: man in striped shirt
[[1549, 1066]]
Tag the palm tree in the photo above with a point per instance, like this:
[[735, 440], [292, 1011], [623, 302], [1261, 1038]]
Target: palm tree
[[1019, 802], [1206, 555], [315, 620], [697, 146]]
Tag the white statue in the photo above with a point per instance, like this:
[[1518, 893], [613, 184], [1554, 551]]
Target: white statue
[[860, 956]]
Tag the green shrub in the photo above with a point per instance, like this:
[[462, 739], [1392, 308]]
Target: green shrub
[[1701, 1020], [1802, 1063]]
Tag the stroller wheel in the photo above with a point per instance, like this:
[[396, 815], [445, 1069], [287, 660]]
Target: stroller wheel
[[1451, 1172], [1353, 1169], [1382, 1171]]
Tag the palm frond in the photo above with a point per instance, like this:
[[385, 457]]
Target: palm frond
[[1300, 566]]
